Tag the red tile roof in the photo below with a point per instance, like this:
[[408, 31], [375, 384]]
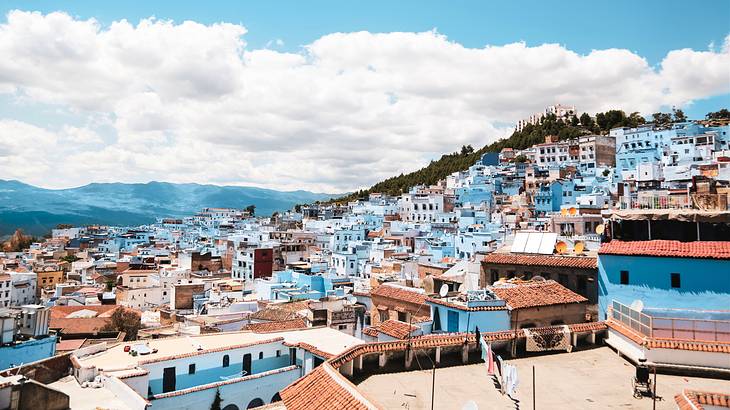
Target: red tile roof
[[662, 248], [582, 262], [536, 294], [69, 345], [265, 327], [399, 293], [324, 389], [393, 328], [696, 400]]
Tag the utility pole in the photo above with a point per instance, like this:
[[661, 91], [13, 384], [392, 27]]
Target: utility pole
[[653, 395], [433, 383], [533, 387]]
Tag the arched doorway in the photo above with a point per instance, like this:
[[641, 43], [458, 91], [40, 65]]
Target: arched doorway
[[276, 398], [255, 403], [230, 407]]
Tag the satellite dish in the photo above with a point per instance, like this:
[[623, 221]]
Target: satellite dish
[[462, 288], [561, 247], [444, 290], [637, 305], [428, 284], [352, 299], [564, 211], [579, 247], [470, 405], [600, 229], [538, 278], [572, 211]]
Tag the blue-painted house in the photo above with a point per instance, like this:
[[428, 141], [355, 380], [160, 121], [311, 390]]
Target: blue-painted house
[[451, 314], [665, 274]]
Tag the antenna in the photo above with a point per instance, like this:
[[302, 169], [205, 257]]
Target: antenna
[[444, 290]]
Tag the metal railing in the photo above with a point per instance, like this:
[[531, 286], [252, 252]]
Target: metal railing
[[703, 330], [691, 329], [633, 319], [691, 201]]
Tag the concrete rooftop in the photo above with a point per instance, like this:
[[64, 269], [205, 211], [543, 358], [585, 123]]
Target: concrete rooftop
[[588, 379]]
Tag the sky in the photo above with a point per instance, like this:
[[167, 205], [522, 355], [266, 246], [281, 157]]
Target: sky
[[328, 96]]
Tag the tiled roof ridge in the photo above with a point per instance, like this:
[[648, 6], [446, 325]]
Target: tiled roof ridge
[[277, 326], [585, 262], [668, 248], [312, 349], [349, 387], [696, 399]]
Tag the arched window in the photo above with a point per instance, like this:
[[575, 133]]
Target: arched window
[[226, 361], [230, 407], [276, 398], [255, 403]]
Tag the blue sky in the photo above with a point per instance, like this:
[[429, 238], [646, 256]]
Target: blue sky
[[649, 28], [326, 95]]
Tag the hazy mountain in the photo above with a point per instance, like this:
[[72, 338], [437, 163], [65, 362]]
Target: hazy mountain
[[37, 210]]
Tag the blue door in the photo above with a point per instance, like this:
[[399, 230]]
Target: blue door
[[453, 321]]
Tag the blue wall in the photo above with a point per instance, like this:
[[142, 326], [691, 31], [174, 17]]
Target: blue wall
[[26, 352], [705, 283], [487, 321], [213, 375]]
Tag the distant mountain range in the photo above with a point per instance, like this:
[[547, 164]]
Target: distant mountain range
[[38, 210]]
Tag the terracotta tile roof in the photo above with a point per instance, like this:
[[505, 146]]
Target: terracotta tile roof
[[582, 262], [311, 349], [662, 248], [399, 293], [394, 328], [298, 323], [79, 325], [715, 347], [536, 294], [324, 389], [61, 312], [370, 331], [273, 314], [69, 345], [588, 327], [697, 400], [462, 306]]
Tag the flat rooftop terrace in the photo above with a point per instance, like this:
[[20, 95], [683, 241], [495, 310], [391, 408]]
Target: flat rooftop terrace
[[323, 338], [587, 379]]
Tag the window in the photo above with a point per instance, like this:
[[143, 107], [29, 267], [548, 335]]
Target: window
[[676, 283], [278, 353], [226, 361], [261, 355], [191, 368], [624, 277]]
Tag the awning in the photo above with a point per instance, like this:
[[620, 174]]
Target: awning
[[682, 215]]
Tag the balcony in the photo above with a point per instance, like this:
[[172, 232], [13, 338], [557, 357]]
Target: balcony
[[678, 324], [705, 202]]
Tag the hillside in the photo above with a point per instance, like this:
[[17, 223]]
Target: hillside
[[37, 210], [564, 128]]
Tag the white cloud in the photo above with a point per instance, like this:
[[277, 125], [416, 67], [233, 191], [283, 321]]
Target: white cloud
[[189, 102]]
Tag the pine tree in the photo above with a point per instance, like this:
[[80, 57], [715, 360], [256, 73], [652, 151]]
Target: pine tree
[[216, 401]]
